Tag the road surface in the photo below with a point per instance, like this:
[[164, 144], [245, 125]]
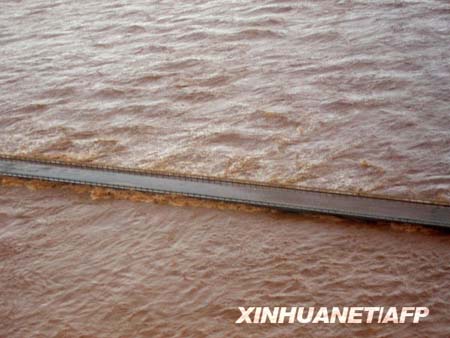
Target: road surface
[[286, 198]]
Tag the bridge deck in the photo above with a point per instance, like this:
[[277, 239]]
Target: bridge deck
[[334, 203]]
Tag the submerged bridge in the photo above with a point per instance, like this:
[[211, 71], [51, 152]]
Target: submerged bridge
[[254, 193]]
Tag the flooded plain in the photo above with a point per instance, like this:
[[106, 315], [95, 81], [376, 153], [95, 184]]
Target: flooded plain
[[341, 95]]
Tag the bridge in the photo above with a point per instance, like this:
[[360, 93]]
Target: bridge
[[285, 197]]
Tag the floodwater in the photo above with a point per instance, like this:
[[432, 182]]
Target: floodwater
[[349, 95]]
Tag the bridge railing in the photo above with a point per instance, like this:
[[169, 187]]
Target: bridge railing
[[204, 178]]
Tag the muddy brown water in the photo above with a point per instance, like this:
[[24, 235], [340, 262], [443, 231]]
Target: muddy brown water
[[338, 95]]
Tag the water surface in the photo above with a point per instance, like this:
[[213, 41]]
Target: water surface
[[348, 95]]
